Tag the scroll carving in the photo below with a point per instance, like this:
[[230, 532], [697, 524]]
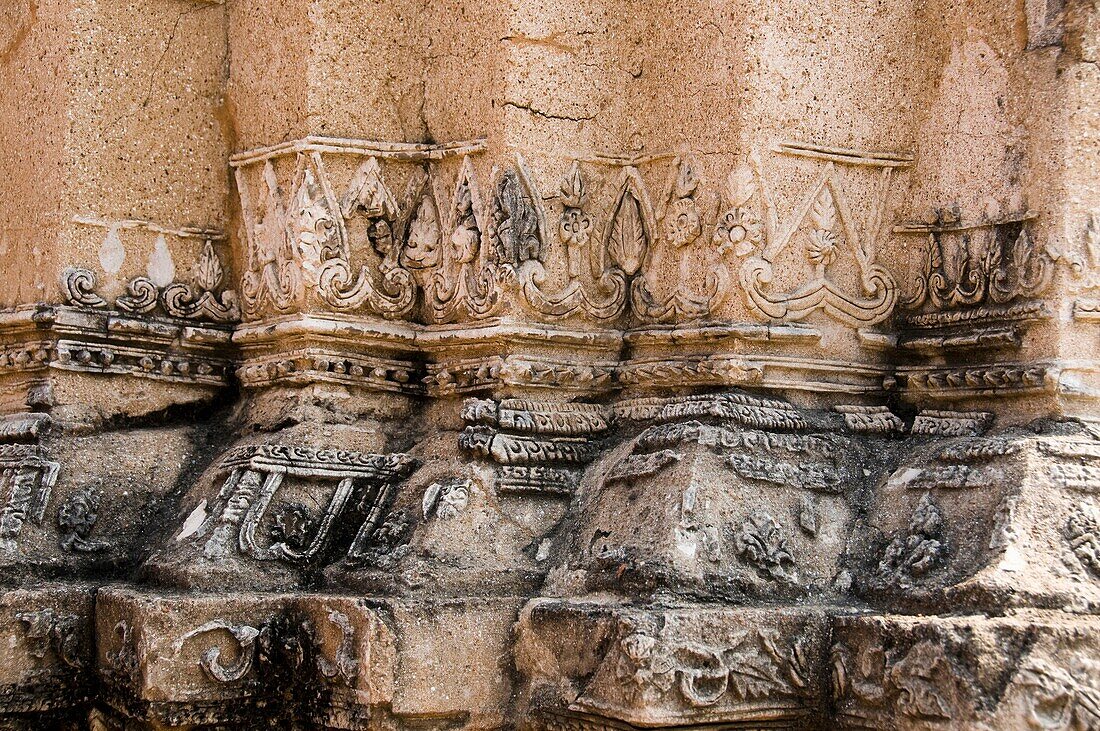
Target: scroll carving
[[664, 669], [581, 255], [244, 636], [824, 216], [78, 286], [683, 218], [255, 477], [203, 299], [420, 249], [993, 262], [595, 285]]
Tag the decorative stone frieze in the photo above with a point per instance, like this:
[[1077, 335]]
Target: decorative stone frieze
[[563, 366]]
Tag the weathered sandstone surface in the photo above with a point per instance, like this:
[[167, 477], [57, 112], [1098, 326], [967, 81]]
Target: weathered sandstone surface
[[584, 365]]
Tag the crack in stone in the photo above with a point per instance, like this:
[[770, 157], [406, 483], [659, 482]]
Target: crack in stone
[[547, 115]]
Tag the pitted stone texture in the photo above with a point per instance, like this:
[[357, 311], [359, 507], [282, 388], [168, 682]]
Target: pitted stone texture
[[80, 503], [1032, 670], [46, 666], [589, 663]]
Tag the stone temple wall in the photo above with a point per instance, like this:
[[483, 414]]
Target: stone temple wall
[[572, 365]]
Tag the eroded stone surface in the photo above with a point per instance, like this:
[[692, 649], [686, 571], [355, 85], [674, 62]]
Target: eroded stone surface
[[588, 365]]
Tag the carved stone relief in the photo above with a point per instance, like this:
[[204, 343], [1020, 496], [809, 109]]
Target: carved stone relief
[[27, 479], [993, 262], [921, 549], [202, 298], [426, 247], [520, 432], [538, 446], [824, 217], [681, 667], [1082, 531], [439, 257], [256, 476]]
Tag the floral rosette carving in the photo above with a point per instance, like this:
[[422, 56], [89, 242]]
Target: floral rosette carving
[[683, 229], [825, 212], [596, 274]]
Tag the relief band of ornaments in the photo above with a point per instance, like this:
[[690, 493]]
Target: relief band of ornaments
[[432, 253], [638, 382], [403, 237]]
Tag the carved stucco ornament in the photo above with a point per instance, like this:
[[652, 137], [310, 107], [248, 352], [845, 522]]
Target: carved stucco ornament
[[596, 284], [828, 231], [244, 636], [986, 263], [683, 218], [203, 299], [256, 475]]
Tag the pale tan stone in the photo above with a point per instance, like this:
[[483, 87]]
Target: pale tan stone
[[596, 364]]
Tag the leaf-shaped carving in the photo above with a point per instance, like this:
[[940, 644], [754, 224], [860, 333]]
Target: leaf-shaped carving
[[514, 235], [740, 187], [935, 254], [573, 191], [1092, 238], [752, 674], [686, 180], [628, 240], [208, 270]]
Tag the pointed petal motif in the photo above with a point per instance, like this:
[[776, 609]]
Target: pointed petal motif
[[208, 270], [740, 187], [823, 212], [1092, 238], [686, 180], [934, 253], [161, 270], [112, 253], [628, 239], [824, 209], [573, 191]]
